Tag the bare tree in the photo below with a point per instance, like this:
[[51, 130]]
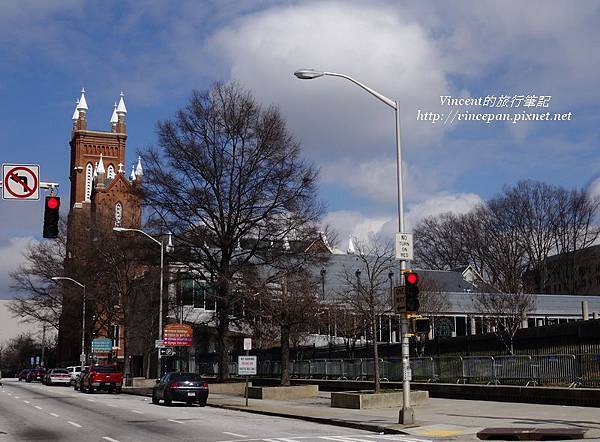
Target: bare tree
[[228, 180], [438, 246], [505, 313], [38, 299], [365, 289], [576, 227]]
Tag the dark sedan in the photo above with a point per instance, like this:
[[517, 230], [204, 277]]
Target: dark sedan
[[183, 387], [23, 374]]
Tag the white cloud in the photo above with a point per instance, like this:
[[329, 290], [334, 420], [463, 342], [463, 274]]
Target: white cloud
[[11, 256], [441, 203]]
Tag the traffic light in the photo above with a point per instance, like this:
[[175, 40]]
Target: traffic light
[[51, 216], [411, 288], [421, 325]]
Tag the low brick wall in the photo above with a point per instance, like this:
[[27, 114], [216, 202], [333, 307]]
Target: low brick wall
[[366, 400], [283, 393], [231, 388], [143, 383]]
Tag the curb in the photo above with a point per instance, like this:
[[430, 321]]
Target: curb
[[319, 420]]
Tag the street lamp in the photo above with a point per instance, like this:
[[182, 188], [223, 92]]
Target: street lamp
[[406, 414], [169, 247], [66, 278]]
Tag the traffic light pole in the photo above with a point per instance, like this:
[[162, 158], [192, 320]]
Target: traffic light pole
[[406, 415]]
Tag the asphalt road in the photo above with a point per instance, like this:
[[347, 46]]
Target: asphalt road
[[35, 412]]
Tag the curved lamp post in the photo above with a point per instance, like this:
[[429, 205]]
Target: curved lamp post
[[169, 248], [66, 278], [407, 413]]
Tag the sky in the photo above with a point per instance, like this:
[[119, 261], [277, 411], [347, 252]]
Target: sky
[[157, 52]]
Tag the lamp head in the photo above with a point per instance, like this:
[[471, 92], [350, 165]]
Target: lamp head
[[308, 74], [119, 229]]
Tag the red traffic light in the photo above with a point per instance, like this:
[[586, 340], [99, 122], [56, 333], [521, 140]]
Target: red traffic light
[[411, 278], [52, 202]]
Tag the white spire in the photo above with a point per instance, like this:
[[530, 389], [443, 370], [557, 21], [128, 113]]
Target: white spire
[[351, 249], [75, 116], [95, 169], [100, 168], [138, 169], [121, 109], [114, 119], [132, 175], [82, 106]]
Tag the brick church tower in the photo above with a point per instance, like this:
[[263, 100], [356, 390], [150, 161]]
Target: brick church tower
[[101, 196]]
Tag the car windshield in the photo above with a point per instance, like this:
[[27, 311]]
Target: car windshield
[[60, 371], [105, 369], [186, 377]]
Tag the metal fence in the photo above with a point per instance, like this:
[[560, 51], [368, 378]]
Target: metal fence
[[573, 370]]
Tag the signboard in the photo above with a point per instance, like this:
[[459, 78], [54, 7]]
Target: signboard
[[159, 343], [246, 365], [407, 374], [443, 327], [20, 182], [404, 246], [167, 351], [178, 335], [102, 345], [399, 299], [82, 358], [247, 344]]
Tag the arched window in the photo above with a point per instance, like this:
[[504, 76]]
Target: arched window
[[110, 172], [89, 176], [118, 214]]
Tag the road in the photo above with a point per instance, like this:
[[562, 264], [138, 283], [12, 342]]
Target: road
[[35, 412]]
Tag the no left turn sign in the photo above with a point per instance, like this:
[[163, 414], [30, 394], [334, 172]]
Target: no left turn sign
[[20, 182]]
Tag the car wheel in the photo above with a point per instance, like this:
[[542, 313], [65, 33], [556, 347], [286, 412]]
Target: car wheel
[[167, 399], [202, 402], [118, 390], [90, 389], [155, 400]]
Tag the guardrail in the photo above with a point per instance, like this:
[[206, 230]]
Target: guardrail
[[574, 370]]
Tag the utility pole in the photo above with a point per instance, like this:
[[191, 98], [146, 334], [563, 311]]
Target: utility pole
[[43, 344]]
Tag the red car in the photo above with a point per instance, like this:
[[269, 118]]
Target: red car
[[102, 377], [35, 374]]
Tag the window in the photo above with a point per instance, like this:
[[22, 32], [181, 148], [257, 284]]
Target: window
[[89, 176], [110, 172], [118, 214]]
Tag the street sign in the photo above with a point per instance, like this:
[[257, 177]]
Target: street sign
[[159, 343], [82, 358], [399, 300], [178, 335], [404, 246], [20, 182], [102, 345], [247, 344], [167, 351], [443, 327], [246, 365], [407, 374]]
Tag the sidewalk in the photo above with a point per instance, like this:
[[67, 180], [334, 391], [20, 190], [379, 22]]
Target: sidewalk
[[442, 418]]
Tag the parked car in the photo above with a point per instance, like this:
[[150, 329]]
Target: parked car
[[102, 377], [184, 387], [78, 377], [35, 374], [57, 376], [74, 370], [23, 374]]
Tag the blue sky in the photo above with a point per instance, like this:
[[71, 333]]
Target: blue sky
[[158, 51]]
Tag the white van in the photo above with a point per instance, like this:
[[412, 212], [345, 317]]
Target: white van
[[74, 370]]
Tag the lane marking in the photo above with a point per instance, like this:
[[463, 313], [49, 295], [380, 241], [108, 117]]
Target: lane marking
[[176, 421], [74, 424], [110, 439], [38, 407], [90, 400], [27, 402], [136, 411], [10, 394], [234, 434], [17, 397], [54, 414], [111, 405]]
